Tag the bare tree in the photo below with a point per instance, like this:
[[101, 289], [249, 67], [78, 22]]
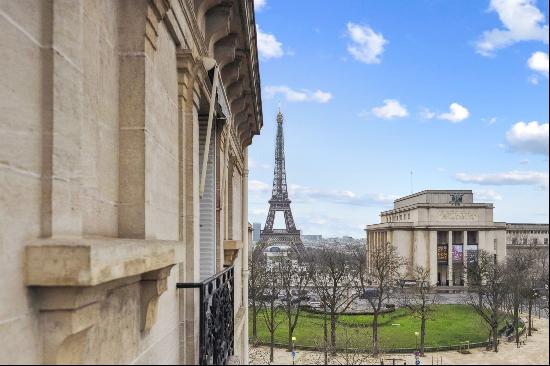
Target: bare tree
[[294, 279], [256, 266], [384, 275], [270, 310], [487, 290], [420, 299], [517, 276], [333, 282]]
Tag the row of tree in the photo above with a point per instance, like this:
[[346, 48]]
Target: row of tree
[[280, 285]]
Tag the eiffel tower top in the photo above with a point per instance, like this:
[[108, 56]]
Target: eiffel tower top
[[279, 199], [280, 117]]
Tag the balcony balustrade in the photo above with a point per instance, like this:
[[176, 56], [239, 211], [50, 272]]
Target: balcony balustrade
[[216, 343]]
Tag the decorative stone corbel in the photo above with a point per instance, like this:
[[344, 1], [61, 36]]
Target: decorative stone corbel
[[152, 285], [231, 250], [67, 316]]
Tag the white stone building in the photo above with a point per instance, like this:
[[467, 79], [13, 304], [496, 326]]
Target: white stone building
[[123, 172], [437, 229]]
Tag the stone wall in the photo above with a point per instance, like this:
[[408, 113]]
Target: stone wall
[[99, 174]]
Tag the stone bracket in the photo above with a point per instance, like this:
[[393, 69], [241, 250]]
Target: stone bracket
[[152, 285], [231, 250]]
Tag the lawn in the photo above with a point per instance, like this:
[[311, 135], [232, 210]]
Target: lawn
[[449, 324]]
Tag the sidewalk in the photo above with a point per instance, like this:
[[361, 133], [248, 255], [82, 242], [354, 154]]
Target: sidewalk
[[534, 352]]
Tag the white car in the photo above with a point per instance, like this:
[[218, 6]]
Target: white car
[[314, 304]]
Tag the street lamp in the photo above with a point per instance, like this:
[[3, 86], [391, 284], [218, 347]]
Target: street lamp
[[416, 338]]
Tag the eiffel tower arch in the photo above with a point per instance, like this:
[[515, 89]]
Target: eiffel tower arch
[[280, 202]]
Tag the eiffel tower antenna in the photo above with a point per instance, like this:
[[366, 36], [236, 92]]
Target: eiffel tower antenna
[[279, 200]]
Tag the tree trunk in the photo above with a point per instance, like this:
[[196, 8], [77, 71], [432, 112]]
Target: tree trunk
[[375, 334], [333, 332], [272, 329], [494, 331], [530, 319], [422, 334], [516, 323], [325, 334], [254, 326]]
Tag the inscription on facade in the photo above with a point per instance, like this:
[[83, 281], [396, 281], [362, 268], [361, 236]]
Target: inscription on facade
[[458, 215]]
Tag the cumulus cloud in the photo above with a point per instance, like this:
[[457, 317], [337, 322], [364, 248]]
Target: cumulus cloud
[[521, 21], [457, 113], [391, 109], [367, 46], [302, 95], [529, 137], [268, 45], [512, 178], [259, 4], [538, 62]]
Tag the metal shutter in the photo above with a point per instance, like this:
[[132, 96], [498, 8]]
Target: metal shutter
[[207, 233]]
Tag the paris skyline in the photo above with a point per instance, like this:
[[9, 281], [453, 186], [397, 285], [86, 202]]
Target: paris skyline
[[460, 99]]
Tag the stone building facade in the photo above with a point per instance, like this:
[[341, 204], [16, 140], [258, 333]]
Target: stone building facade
[[439, 230], [521, 237], [123, 171]]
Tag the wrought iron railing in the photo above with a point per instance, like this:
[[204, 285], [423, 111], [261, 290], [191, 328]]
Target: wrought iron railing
[[216, 342]]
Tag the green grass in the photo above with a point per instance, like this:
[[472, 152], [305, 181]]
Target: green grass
[[449, 324]]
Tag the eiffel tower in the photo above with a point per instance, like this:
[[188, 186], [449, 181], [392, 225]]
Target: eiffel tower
[[280, 202]]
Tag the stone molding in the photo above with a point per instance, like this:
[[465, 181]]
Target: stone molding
[[72, 276], [90, 262]]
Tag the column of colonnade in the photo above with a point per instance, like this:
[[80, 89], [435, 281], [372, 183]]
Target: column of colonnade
[[450, 258]]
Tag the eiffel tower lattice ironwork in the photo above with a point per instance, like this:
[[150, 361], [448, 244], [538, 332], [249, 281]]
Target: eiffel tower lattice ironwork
[[279, 201]]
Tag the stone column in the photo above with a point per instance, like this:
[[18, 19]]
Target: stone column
[[245, 233], [189, 80], [433, 257], [450, 259], [465, 256]]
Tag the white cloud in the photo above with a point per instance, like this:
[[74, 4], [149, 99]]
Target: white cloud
[[253, 164], [302, 95], [258, 186], [268, 45], [391, 109], [521, 20], [457, 113], [538, 62], [533, 79], [516, 177], [367, 46], [300, 193], [487, 194], [303, 193], [490, 121], [529, 137], [259, 4]]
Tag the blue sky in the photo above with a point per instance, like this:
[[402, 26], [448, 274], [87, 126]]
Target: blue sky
[[456, 91]]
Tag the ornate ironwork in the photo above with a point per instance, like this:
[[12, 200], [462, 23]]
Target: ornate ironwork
[[279, 200], [216, 343]]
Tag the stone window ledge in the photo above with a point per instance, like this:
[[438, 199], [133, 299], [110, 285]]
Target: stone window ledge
[[72, 276], [91, 261]]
